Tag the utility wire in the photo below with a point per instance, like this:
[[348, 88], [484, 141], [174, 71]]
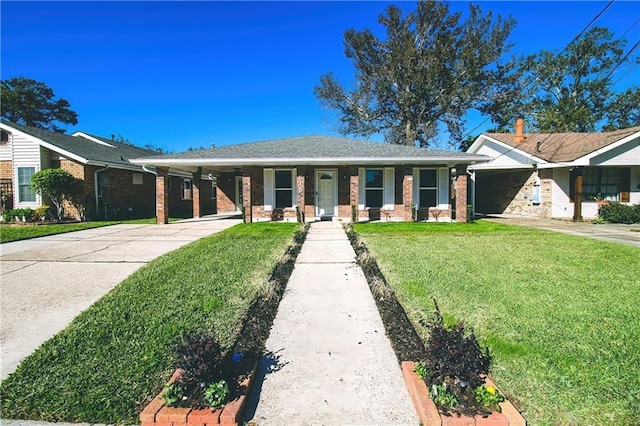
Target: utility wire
[[531, 79]]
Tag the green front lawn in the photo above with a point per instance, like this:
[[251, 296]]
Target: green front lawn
[[115, 356], [558, 312], [10, 233]]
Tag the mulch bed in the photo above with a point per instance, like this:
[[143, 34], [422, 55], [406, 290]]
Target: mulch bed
[[405, 341]]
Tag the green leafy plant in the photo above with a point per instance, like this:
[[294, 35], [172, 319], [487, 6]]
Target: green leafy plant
[[421, 369], [173, 393], [442, 397], [455, 361], [216, 394], [615, 212], [489, 397], [19, 215]]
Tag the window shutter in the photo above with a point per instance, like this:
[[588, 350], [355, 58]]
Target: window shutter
[[361, 191], [443, 188], [625, 185], [294, 187], [268, 190], [416, 184], [389, 188]]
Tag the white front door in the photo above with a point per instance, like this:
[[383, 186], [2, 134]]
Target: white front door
[[326, 189]]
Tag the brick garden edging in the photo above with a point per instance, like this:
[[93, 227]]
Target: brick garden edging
[[158, 414], [429, 415]]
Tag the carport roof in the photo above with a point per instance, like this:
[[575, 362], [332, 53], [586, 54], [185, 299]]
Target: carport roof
[[309, 150]]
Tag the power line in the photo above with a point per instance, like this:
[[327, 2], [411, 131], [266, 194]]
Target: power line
[[563, 50]]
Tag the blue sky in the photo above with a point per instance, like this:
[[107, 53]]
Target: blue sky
[[189, 74]]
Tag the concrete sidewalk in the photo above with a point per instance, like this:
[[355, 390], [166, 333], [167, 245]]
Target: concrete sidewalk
[[45, 282], [329, 362]]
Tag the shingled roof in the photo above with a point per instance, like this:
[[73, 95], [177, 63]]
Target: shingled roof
[[311, 150], [563, 147], [111, 152]]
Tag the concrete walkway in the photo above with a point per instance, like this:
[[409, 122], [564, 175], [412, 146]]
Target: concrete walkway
[[45, 282], [617, 233], [330, 362]]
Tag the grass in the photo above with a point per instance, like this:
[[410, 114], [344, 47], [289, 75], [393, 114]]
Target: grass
[[558, 312], [115, 356], [9, 233]]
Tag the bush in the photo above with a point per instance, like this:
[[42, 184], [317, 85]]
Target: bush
[[456, 366], [25, 213], [619, 213]]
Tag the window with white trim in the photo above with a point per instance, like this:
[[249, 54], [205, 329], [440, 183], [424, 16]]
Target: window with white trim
[[428, 188], [25, 192], [214, 191], [283, 188], [374, 188]]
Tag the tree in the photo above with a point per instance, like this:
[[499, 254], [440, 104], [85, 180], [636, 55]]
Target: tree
[[571, 91], [31, 102], [428, 72], [58, 184]]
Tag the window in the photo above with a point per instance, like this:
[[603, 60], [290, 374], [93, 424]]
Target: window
[[187, 193], [374, 187], [602, 183], [284, 188], [214, 191], [428, 188], [4, 137], [137, 178], [25, 192]]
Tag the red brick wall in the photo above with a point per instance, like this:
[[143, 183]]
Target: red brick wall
[[226, 193]]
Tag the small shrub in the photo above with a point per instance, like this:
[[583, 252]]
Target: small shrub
[[173, 393], [615, 212], [19, 215], [421, 369], [456, 365], [42, 213], [198, 356], [489, 397], [216, 394]]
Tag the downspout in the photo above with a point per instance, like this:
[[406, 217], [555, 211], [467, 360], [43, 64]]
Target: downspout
[[96, 185], [149, 171], [472, 178]]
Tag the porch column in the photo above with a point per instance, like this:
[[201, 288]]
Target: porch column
[[354, 183], [196, 183], [300, 192], [246, 195], [407, 193], [162, 195], [461, 192], [577, 200]]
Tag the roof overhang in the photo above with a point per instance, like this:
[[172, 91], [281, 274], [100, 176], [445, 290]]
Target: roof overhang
[[328, 161]]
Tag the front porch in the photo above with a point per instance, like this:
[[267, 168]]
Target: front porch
[[434, 192]]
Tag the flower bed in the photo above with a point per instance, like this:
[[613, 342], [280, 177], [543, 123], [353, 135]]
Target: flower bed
[[158, 413], [430, 416]]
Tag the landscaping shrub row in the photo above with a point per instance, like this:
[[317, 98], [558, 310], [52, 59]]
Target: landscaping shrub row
[[619, 213], [117, 355]]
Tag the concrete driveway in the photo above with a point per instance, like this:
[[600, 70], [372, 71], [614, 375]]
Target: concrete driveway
[[617, 233], [45, 282]]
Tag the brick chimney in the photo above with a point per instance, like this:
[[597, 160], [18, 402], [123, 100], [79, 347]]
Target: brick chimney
[[519, 138]]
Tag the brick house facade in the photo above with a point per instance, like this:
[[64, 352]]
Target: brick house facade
[[322, 178], [113, 187]]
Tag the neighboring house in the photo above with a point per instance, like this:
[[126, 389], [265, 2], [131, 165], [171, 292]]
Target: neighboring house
[[114, 187], [323, 178], [556, 175]]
